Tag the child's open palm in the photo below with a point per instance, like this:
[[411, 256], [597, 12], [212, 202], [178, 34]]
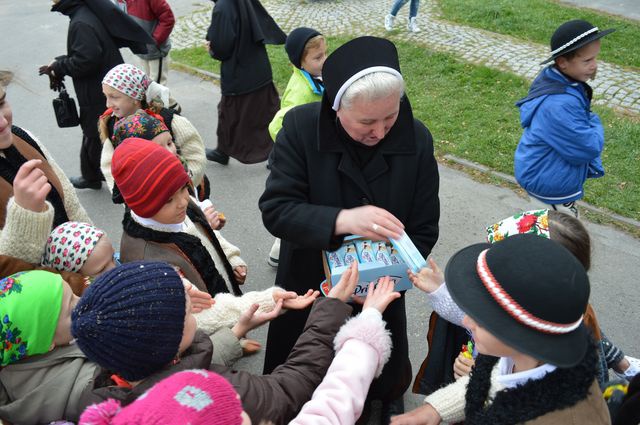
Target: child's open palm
[[293, 301], [428, 279]]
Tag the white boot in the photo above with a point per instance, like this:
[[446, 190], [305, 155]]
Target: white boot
[[413, 25], [388, 22]]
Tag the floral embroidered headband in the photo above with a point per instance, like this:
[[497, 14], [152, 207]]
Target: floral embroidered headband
[[30, 304], [535, 222]]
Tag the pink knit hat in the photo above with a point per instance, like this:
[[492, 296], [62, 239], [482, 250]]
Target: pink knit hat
[[188, 397]]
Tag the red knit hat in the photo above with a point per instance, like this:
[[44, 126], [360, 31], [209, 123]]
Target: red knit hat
[[147, 175]]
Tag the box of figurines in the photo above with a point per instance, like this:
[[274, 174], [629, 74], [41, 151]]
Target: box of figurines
[[375, 259]]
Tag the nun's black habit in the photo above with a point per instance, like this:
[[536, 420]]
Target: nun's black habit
[[238, 33], [315, 174]]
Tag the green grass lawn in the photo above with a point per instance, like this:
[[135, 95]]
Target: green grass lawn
[[470, 112], [536, 20]]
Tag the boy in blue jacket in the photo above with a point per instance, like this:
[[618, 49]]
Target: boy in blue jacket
[[562, 140]]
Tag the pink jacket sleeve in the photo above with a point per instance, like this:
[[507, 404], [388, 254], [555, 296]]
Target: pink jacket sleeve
[[363, 346]]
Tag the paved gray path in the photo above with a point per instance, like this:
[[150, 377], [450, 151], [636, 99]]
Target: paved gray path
[[615, 86], [626, 8]]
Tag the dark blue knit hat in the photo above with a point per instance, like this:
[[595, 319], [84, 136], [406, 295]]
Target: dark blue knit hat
[[131, 319]]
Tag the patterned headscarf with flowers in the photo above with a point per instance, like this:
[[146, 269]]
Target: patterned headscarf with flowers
[[30, 304], [69, 246], [140, 124], [535, 221], [133, 82]]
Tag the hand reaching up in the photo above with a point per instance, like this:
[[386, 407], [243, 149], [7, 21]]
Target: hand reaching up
[[250, 319], [31, 186], [199, 300], [293, 301], [347, 284], [380, 296], [427, 279]]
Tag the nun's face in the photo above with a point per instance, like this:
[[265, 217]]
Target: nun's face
[[368, 122]]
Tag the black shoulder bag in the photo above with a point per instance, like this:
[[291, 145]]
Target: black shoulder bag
[[65, 109]]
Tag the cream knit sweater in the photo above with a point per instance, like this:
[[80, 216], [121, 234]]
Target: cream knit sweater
[[186, 137], [25, 232], [228, 309], [449, 401]]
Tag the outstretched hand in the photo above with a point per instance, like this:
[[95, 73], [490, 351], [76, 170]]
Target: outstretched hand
[[199, 300], [293, 301], [31, 186], [427, 279], [347, 284], [423, 415], [381, 295], [250, 319]]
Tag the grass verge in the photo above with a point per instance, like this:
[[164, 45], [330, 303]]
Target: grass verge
[[536, 20], [471, 114]]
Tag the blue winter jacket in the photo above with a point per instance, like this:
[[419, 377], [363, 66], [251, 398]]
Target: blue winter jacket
[[562, 140]]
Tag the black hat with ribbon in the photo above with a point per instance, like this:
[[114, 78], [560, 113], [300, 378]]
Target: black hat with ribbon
[[573, 35], [529, 292]]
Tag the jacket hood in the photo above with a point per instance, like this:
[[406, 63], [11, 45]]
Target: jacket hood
[[67, 7], [549, 81]]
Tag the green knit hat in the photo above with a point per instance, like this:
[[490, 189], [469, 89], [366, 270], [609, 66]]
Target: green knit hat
[[30, 304]]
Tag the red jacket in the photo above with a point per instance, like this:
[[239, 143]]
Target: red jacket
[[152, 11]]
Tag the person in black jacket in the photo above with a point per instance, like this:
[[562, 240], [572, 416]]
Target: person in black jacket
[[91, 52], [355, 163], [237, 36]]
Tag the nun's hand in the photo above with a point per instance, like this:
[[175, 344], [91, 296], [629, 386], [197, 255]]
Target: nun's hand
[[370, 222], [31, 186]]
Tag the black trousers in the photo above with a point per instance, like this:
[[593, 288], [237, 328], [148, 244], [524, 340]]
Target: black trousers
[[91, 145]]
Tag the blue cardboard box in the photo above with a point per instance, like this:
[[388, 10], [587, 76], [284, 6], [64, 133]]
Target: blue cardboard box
[[392, 262]]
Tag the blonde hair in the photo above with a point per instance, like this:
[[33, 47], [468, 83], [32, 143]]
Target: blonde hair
[[313, 43]]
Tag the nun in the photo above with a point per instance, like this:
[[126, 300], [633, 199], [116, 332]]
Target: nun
[[357, 162], [236, 37]]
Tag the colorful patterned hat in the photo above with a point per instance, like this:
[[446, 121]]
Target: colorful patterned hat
[[129, 80], [69, 246], [191, 396], [140, 124], [133, 82], [30, 304], [534, 221]]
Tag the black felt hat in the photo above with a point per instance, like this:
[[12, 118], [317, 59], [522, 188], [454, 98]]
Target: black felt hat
[[355, 59], [572, 35], [296, 40], [528, 291]]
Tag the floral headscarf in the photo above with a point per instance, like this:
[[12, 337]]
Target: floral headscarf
[[30, 304], [69, 246], [535, 221], [133, 82], [140, 124]]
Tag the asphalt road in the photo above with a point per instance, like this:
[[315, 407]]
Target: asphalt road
[[32, 36]]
